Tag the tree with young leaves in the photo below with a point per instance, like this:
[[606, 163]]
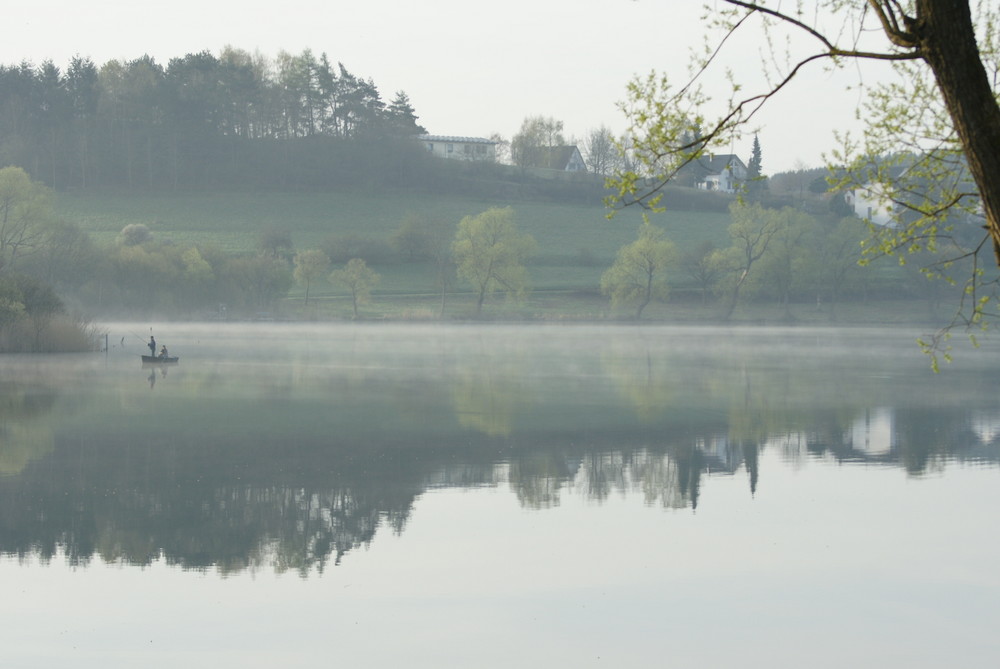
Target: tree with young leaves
[[490, 253], [309, 266], [836, 251], [257, 282], [25, 208], [698, 265], [276, 242], [787, 266], [751, 233], [359, 279], [41, 305], [638, 274], [941, 109], [411, 238]]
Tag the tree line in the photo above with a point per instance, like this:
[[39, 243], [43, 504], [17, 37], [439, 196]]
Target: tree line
[[200, 120], [784, 255]]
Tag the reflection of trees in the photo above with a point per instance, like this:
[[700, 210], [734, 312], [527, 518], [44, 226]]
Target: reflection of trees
[[668, 476], [537, 477], [487, 399], [25, 431], [482, 405], [137, 505], [602, 474], [661, 480], [648, 384], [22, 442], [295, 473]]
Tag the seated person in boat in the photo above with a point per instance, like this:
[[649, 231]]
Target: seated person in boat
[[163, 352]]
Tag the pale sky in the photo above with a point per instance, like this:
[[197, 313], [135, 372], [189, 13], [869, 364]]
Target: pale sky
[[469, 68]]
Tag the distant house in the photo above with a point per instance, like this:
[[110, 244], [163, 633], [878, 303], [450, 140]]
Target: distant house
[[460, 148], [872, 204], [561, 158], [565, 158], [724, 173]]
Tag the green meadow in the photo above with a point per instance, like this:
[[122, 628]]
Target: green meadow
[[234, 221], [576, 244]]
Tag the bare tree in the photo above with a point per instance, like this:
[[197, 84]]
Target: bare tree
[[600, 152], [531, 146]]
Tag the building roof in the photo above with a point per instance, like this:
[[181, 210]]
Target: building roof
[[554, 157], [709, 164], [455, 139], [715, 163]]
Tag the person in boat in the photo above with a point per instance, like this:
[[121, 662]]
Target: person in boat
[[152, 345], [163, 352]]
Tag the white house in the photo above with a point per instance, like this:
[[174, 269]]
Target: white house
[[872, 204], [460, 148], [724, 173]]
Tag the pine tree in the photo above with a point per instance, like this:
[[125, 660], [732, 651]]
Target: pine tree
[[753, 169], [755, 180], [402, 117]]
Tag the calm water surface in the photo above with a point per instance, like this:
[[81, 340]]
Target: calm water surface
[[383, 496]]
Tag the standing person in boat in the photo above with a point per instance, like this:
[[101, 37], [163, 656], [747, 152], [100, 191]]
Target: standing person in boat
[[163, 352], [152, 346]]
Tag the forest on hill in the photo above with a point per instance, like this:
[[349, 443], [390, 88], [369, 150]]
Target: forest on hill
[[236, 120], [239, 121]]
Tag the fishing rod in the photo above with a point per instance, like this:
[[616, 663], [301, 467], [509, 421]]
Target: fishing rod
[[144, 340], [137, 336]]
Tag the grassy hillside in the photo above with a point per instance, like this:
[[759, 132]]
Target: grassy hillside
[[576, 243]]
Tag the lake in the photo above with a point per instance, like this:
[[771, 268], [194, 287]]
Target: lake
[[380, 495]]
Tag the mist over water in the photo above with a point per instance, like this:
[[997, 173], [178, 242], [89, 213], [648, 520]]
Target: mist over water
[[583, 490]]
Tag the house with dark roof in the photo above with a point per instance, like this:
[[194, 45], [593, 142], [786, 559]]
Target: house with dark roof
[[560, 158], [724, 172], [565, 158], [460, 148]]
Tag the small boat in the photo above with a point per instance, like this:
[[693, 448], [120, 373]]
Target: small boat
[[157, 360]]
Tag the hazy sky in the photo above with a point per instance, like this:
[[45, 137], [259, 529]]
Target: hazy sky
[[470, 68]]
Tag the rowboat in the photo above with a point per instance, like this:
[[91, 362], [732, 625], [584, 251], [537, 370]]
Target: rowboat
[[157, 360]]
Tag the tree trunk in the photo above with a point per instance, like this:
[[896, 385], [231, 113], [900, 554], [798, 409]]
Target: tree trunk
[[479, 303], [947, 42], [646, 296], [444, 299]]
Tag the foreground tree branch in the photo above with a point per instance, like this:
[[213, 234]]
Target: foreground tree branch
[[931, 140]]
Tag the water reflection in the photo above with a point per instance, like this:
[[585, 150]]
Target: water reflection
[[295, 459]]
